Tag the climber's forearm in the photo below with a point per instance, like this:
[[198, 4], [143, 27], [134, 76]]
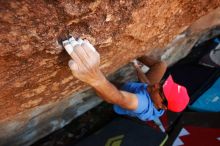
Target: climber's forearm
[[111, 94], [157, 69], [148, 61], [141, 76]]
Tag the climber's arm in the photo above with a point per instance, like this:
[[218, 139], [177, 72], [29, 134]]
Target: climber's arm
[[85, 67], [111, 94], [157, 69]]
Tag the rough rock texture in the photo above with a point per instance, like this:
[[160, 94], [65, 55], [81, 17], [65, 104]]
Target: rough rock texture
[[33, 66]]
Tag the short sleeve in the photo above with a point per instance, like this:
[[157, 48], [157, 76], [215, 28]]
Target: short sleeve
[[145, 110], [142, 106], [133, 87], [142, 103]]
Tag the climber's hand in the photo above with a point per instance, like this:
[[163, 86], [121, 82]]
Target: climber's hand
[[85, 63]]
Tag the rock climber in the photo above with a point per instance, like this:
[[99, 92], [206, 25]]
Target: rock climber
[[145, 100]]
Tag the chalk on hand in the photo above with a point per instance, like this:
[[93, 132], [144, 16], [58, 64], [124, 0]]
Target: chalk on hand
[[135, 62], [73, 42], [65, 42], [80, 41], [68, 47], [90, 45], [71, 39]]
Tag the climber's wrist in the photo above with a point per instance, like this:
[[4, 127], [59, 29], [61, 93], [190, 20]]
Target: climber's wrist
[[98, 79]]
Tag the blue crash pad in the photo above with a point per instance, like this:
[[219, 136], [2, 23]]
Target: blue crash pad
[[210, 100]]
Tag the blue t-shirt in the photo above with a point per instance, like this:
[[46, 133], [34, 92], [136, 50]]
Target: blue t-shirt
[[146, 110]]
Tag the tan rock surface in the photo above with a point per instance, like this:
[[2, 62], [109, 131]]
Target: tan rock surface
[[33, 66]]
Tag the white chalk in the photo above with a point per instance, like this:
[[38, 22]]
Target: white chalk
[[135, 62], [68, 47], [73, 42], [90, 45], [80, 41], [71, 39], [65, 42]]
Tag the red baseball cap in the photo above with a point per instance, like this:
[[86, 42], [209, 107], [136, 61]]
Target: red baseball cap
[[176, 95]]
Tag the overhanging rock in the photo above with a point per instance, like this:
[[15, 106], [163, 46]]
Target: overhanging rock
[[35, 81]]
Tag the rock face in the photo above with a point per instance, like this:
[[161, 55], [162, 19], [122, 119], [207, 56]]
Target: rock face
[[33, 66]]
